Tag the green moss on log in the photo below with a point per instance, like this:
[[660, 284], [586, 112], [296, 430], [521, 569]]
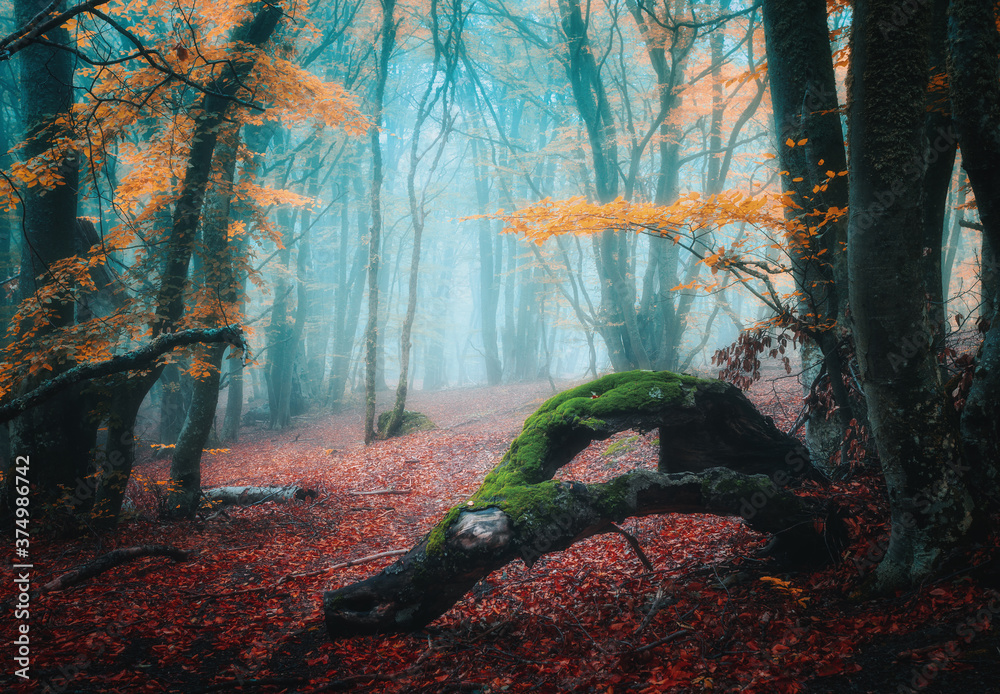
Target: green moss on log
[[521, 484]]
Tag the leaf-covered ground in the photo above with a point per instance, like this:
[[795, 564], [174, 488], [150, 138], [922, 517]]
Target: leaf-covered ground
[[244, 613]]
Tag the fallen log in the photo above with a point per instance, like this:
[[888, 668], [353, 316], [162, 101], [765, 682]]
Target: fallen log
[[111, 560], [520, 512], [249, 496]]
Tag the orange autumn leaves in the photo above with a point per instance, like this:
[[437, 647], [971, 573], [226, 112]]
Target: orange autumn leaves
[[745, 235], [136, 118], [691, 221]]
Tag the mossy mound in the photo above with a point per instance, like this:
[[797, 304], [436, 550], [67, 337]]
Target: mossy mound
[[412, 421]]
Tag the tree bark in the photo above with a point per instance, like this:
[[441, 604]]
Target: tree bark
[[804, 100], [974, 78], [213, 107], [388, 41], [218, 273], [487, 275], [417, 208], [519, 511], [930, 503], [256, 139], [234, 399], [48, 220], [249, 496]]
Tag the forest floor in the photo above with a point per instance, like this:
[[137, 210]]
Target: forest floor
[[244, 614]]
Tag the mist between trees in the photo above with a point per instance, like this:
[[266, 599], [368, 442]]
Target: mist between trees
[[397, 196]]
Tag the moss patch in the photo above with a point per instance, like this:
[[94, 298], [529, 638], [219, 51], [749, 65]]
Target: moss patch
[[412, 421], [621, 446], [521, 484]]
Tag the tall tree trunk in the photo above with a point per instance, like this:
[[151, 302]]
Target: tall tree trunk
[[234, 398], [942, 144], [256, 139], [218, 273], [930, 503], [804, 100], [974, 72], [487, 274], [172, 403], [279, 331], [440, 92], [375, 231], [120, 449], [508, 336], [59, 434], [283, 373], [619, 329]]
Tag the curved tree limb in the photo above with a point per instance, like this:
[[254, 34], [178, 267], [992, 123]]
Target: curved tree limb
[[520, 512], [139, 358]]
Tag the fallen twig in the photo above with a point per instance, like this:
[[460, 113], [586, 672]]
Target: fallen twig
[[660, 642], [111, 560], [658, 602], [635, 546]]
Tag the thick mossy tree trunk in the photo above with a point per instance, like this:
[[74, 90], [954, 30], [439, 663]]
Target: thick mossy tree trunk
[[45, 227], [520, 511]]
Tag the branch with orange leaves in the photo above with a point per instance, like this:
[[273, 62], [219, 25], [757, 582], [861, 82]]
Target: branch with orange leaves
[[139, 358], [578, 216]]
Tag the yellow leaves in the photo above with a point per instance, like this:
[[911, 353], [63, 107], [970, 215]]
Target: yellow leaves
[[236, 229], [265, 196], [200, 371], [786, 587], [298, 96], [792, 143], [547, 218], [768, 155]]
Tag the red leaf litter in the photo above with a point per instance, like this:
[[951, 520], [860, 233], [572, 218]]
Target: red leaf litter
[[244, 614]]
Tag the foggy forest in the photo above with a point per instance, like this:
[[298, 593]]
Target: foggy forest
[[500, 345]]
